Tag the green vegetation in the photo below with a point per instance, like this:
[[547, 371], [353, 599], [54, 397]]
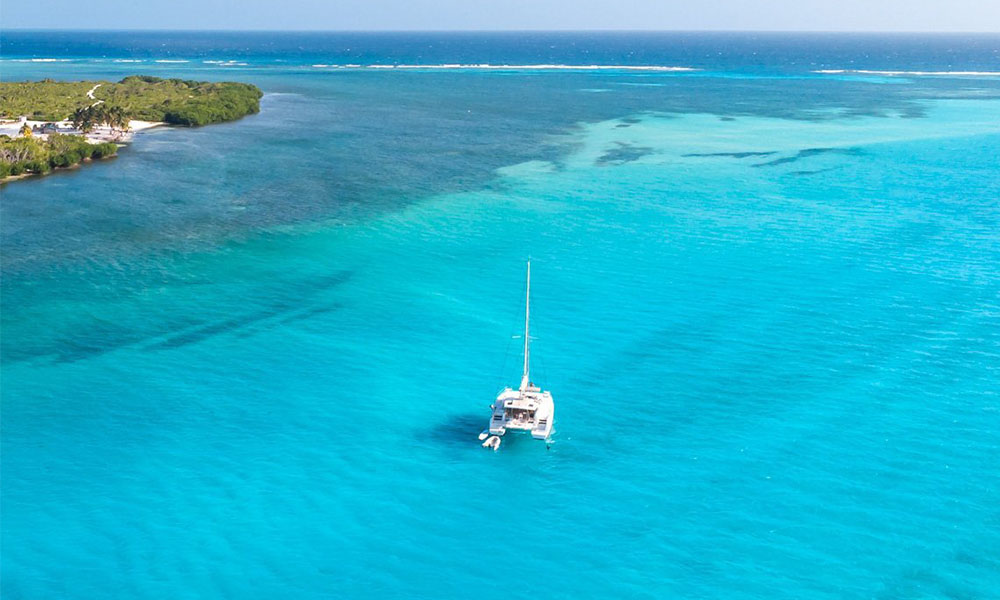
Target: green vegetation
[[175, 101], [45, 100], [115, 117], [32, 155]]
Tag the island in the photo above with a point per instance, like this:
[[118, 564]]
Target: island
[[46, 125]]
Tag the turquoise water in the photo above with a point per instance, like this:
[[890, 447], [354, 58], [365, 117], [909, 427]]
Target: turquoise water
[[251, 360]]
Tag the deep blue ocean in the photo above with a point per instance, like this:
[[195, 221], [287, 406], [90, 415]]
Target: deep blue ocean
[[251, 360]]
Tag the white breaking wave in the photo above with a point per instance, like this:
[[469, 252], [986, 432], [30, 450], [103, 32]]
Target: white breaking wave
[[540, 67], [128, 60], [166, 60], [225, 63], [913, 73], [43, 60]]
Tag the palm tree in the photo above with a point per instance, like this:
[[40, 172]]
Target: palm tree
[[118, 118], [83, 119], [100, 113]]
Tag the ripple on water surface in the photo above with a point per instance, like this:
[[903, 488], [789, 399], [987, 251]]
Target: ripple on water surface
[[773, 344]]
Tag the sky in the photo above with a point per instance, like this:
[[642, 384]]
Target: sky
[[762, 15]]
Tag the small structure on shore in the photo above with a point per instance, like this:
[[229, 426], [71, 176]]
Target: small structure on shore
[[45, 128]]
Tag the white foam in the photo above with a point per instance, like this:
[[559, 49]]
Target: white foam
[[548, 67], [910, 73], [505, 67], [165, 60], [225, 63], [40, 60], [128, 60]]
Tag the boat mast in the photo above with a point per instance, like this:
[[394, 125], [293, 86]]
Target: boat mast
[[525, 381]]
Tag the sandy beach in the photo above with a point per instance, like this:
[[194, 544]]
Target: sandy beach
[[98, 135]]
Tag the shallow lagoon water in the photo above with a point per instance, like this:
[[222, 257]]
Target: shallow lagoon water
[[773, 343]]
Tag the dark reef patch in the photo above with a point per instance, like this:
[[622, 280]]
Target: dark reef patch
[[293, 300], [284, 306], [807, 153], [624, 153], [627, 122], [730, 154], [316, 311], [812, 172]]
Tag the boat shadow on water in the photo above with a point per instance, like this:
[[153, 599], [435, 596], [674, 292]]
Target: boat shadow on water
[[458, 430]]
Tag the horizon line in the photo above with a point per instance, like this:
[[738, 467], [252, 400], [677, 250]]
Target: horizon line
[[438, 31]]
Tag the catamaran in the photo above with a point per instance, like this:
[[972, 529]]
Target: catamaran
[[527, 408]]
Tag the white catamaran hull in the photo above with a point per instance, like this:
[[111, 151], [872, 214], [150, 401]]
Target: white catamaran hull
[[531, 410], [527, 408]]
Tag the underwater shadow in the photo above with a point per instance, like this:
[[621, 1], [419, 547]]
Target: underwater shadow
[[459, 430], [624, 153], [729, 154], [808, 152]]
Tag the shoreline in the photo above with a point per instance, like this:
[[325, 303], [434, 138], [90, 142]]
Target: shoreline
[[100, 135], [65, 127], [74, 120], [10, 178]]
